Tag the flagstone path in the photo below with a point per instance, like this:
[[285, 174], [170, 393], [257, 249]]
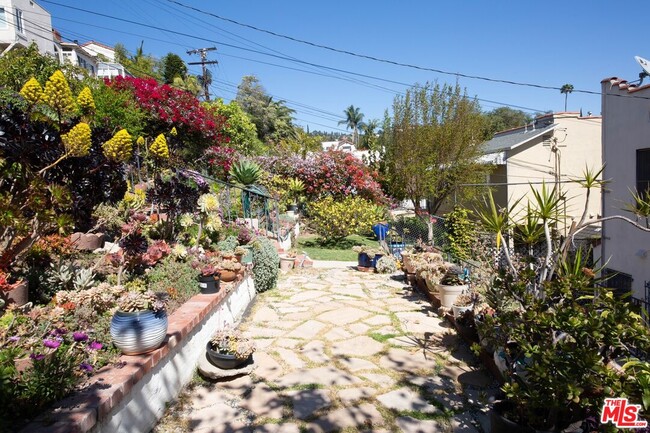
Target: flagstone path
[[342, 350]]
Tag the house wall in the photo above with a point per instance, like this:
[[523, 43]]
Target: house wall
[[579, 144], [499, 193], [626, 128], [37, 25]]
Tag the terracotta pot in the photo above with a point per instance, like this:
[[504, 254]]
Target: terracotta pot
[[18, 296], [448, 294], [227, 276]]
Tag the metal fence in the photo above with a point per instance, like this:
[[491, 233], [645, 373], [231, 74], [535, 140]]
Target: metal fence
[[408, 231], [247, 205]]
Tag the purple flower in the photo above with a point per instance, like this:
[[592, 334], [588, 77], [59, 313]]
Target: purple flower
[[86, 367], [95, 345], [14, 338], [79, 336], [52, 344], [37, 356], [58, 332]]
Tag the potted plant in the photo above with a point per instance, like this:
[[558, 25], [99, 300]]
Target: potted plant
[[451, 285], [139, 324], [209, 280], [295, 189], [367, 256], [386, 265], [240, 253], [287, 260], [464, 304], [228, 270], [229, 349]]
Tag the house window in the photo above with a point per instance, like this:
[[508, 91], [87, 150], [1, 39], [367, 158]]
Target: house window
[[643, 171], [619, 282], [20, 28], [3, 19]]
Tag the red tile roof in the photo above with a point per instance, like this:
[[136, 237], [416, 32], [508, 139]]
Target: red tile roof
[[623, 84]]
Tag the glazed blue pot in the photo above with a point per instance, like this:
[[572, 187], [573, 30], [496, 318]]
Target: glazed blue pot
[[373, 262], [364, 260], [139, 332]]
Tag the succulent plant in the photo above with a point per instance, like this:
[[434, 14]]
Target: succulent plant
[[77, 142], [32, 91], [119, 147], [84, 279], [159, 148], [85, 101], [133, 301], [386, 265], [245, 172], [230, 265], [229, 341]]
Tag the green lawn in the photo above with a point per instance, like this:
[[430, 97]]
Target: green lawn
[[342, 250]]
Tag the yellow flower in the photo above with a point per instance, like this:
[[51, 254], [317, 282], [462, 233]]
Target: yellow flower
[[159, 148], [77, 141], [32, 91], [173, 131], [140, 141], [57, 93], [85, 101], [213, 222], [119, 147]]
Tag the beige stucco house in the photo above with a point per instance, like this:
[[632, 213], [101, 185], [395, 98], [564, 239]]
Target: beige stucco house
[[23, 22], [626, 150], [555, 149]]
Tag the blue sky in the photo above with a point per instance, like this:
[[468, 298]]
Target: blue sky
[[548, 43]]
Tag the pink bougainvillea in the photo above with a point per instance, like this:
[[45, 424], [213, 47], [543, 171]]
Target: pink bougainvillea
[[173, 107], [334, 173]]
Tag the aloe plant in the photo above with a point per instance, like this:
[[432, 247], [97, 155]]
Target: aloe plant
[[245, 172]]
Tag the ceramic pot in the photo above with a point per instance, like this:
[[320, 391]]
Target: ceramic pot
[[18, 296], [376, 259], [286, 263], [209, 285], [364, 260], [227, 276], [460, 311], [139, 332], [224, 361], [448, 294]]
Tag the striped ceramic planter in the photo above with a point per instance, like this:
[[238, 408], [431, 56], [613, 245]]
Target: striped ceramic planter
[[139, 332]]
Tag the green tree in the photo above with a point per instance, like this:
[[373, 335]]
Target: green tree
[[369, 137], [20, 64], [273, 119], [139, 65], [238, 128], [503, 118], [566, 89], [353, 120], [173, 66], [190, 84], [301, 143], [432, 144]]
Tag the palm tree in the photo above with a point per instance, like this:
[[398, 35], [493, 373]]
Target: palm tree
[[353, 120], [369, 133], [566, 89]]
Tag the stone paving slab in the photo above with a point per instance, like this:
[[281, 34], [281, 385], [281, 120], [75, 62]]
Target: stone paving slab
[[318, 369]]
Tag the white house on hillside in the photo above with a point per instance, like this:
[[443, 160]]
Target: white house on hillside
[[554, 149], [345, 145], [626, 150], [23, 22]]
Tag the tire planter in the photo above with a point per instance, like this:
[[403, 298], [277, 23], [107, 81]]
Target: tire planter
[[209, 285], [448, 294], [139, 332], [224, 361]]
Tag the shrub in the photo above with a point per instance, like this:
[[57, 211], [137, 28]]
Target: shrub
[[386, 265], [176, 278], [335, 219], [460, 233], [266, 264], [335, 173]]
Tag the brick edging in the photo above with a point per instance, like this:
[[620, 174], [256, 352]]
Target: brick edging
[[105, 390]]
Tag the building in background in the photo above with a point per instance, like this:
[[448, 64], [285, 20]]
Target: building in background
[[23, 22], [626, 151], [554, 149]]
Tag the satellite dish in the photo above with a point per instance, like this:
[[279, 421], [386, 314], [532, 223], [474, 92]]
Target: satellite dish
[[645, 65]]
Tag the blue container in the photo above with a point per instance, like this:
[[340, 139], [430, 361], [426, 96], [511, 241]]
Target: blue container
[[138, 332], [376, 259], [380, 230], [364, 260], [396, 249]]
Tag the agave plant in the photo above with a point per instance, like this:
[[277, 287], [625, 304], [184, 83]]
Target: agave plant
[[245, 172]]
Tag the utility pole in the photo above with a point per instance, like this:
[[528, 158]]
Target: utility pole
[[203, 52]]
